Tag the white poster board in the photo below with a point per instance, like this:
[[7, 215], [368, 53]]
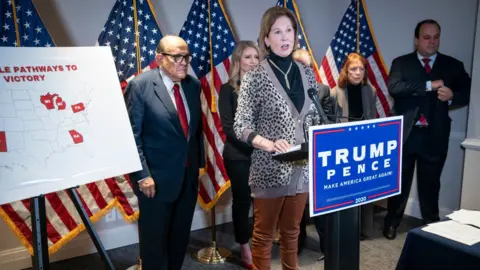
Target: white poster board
[[63, 120]]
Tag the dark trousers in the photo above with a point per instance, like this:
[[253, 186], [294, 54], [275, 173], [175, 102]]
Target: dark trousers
[[164, 228], [429, 169], [238, 171], [366, 219]]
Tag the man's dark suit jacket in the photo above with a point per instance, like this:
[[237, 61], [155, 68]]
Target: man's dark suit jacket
[[407, 85], [161, 143]]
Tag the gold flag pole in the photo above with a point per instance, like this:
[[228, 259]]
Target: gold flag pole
[[15, 23], [358, 26], [213, 254], [213, 105], [137, 266]]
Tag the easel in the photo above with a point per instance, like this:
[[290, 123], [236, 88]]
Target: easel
[[40, 258]]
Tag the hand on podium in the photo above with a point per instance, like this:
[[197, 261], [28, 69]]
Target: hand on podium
[[281, 146]]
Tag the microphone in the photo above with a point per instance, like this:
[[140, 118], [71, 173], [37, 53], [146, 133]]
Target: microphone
[[305, 127], [312, 93]]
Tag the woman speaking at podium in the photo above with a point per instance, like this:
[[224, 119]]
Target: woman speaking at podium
[[273, 104], [355, 99]]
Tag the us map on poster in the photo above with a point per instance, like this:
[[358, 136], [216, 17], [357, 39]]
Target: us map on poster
[[63, 120], [46, 121]]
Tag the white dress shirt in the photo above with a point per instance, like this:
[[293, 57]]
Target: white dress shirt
[[432, 60], [169, 85]]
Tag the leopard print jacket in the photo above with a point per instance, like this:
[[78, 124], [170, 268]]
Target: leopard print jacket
[[264, 108]]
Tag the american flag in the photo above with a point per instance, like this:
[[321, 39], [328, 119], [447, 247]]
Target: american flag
[[211, 42], [345, 42], [22, 26], [28, 29], [302, 37], [133, 34]]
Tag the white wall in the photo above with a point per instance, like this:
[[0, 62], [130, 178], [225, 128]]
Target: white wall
[[474, 110], [78, 23], [471, 184]]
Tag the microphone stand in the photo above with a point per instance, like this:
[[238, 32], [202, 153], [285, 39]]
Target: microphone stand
[[305, 127], [321, 113]]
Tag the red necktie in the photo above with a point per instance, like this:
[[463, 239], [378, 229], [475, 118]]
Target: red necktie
[[427, 65], [182, 113]]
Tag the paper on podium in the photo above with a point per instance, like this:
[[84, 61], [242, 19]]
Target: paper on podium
[[466, 217], [455, 231], [291, 149]]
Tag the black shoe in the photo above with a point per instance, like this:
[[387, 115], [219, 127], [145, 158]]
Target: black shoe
[[362, 237], [426, 222], [299, 250], [390, 232]]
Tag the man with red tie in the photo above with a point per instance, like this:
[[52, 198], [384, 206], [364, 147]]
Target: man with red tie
[[424, 84], [165, 114]]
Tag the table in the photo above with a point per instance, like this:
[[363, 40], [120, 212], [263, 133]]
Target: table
[[424, 251]]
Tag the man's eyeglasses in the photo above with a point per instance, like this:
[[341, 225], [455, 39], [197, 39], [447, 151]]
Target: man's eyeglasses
[[177, 58]]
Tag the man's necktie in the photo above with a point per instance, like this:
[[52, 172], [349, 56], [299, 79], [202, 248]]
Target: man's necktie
[[422, 120], [182, 113], [427, 66]]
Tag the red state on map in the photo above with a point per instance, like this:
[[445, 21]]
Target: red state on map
[[77, 137], [3, 142], [47, 100], [61, 105], [50, 100], [78, 107]]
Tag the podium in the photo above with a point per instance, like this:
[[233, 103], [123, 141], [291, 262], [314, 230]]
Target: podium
[[342, 240], [342, 228]]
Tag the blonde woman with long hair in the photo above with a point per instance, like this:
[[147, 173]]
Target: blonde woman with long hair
[[236, 154]]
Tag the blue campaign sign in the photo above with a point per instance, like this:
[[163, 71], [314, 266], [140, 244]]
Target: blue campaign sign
[[354, 163]]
